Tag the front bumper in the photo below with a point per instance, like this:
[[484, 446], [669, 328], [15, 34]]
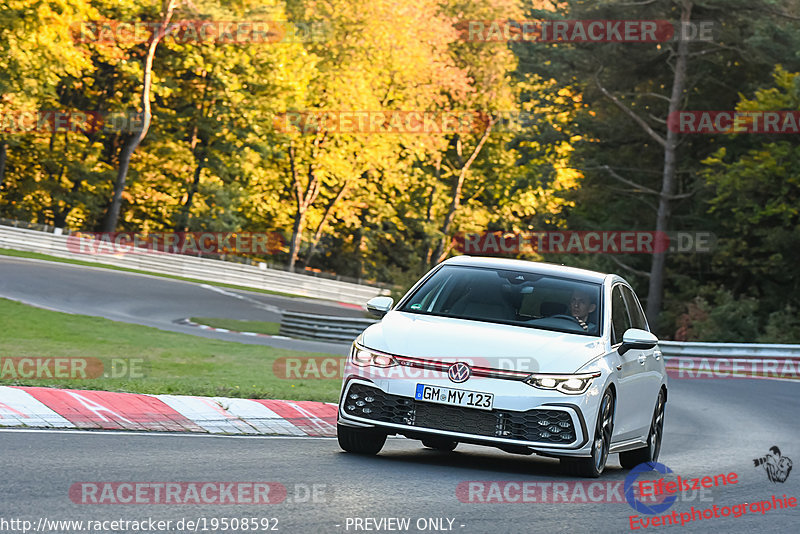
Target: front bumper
[[522, 419]]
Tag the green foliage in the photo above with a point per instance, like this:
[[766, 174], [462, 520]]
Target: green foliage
[[386, 206], [783, 326], [756, 204], [719, 317]]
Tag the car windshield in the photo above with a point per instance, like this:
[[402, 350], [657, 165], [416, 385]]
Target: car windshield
[[518, 298]]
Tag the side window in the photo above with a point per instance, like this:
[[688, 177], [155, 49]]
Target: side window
[[620, 321], [634, 309]]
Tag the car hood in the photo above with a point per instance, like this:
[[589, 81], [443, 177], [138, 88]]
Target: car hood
[[492, 345]]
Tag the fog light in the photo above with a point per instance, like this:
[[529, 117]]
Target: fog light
[[367, 410], [369, 399], [360, 403], [353, 396]]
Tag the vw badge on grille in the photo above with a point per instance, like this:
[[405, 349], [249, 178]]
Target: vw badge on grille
[[459, 372]]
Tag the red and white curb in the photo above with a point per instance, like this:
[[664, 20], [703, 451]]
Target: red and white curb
[[38, 407]]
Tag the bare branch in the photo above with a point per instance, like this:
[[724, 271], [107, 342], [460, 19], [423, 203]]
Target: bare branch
[[640, 187], [716, 47], [637, 187], [642, 3], [763, 9], [629, 112], [628, 267], [654, 95]]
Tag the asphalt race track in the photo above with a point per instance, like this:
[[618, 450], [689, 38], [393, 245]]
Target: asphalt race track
[[154, 301], [713, 427]]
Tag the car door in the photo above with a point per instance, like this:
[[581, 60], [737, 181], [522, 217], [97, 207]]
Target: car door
[[650, 359], [630, 372]]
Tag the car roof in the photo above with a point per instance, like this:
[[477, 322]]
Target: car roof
[[530, 266]]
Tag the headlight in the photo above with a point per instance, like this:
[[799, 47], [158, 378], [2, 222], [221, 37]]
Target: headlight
[[364, 357], [569, 384]]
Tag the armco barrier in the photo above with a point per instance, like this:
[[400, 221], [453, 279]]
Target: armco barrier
[[322, 327], [199, 268], [329, 328], [674, 349]]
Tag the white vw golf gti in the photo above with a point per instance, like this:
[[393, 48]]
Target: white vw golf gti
[[527, 357]]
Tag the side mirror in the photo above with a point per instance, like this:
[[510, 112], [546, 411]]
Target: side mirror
[[380, 306], [634, 338]]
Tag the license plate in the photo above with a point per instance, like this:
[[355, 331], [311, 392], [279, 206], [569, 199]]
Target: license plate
[[454, 397]]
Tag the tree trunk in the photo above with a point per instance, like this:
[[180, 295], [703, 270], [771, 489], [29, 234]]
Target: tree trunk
[[426, 261], [359, 244], [455, 202], [297, 234], [199, 151], [183, 221], [656, 287], [304, 201], [112, 216], [3, 156], [321, 226]]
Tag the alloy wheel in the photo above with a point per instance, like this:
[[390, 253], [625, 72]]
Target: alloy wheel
[[602, 437]]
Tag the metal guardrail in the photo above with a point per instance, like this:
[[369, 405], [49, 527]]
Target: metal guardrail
[[322, 327], [675, 349], [330, 328], [206, 269]]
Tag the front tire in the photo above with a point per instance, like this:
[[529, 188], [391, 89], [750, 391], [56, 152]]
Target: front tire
[[593, 467], [631, 459], [360, 440]]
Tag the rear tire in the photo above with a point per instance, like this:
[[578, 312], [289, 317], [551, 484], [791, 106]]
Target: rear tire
[[360, 440], [601, 442], [648, 454], [440, 444]]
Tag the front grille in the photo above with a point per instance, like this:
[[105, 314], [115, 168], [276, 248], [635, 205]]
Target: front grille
[[539, 425]]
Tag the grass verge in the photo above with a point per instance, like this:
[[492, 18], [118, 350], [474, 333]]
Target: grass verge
[[163, 362]]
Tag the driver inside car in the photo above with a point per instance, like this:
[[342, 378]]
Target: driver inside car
[[580, 306]]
